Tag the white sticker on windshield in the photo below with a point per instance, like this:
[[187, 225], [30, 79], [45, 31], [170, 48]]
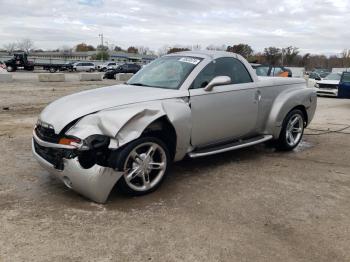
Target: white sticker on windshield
[[190, 60]]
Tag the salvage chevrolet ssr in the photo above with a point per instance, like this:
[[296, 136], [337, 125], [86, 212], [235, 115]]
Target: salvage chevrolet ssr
[[191, 104]]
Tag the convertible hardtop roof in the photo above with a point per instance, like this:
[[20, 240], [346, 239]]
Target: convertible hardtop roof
[[205, 54]]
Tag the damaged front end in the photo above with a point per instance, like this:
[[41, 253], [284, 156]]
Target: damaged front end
[[84, 152], [82, 165]]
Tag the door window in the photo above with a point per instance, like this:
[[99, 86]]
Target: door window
[[225, 66], [277, 71]]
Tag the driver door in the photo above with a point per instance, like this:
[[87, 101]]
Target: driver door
[[228, 111]]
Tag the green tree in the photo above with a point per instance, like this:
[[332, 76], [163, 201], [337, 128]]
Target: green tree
[[101, 55], [241, 49], [102, 48]]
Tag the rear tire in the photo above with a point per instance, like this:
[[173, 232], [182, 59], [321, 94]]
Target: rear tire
[[292, 130], [144, 162], [10, 68]]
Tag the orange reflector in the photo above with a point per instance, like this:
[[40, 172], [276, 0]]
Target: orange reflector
[[68, 141]]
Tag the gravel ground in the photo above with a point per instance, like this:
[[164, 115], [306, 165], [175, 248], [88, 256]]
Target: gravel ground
[[253, 204]]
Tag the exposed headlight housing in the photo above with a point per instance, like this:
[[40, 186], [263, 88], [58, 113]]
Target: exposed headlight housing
[[317, 85], [44, 124]]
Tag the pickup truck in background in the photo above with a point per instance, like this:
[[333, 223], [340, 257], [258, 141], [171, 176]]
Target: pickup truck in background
[[328, 86], [20, 61]]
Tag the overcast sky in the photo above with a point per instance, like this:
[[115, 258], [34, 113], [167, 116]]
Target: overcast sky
[[314, 26]]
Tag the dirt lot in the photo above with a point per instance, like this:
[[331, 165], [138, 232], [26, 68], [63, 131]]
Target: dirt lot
[[249, 205]]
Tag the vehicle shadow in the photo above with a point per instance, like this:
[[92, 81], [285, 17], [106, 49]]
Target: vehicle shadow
[[182, 173]]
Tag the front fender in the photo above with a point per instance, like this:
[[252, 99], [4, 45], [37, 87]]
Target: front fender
[[125, 124], [285, 102]]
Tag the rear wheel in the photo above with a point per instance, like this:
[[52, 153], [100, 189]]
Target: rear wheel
[[144, 163], [292, 130], [10, 68]]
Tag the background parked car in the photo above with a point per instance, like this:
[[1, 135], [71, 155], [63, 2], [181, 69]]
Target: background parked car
[[106, 66], [344, 85], [84, 67], [319, 74], [126, 68], [269, 70], [329, 85]]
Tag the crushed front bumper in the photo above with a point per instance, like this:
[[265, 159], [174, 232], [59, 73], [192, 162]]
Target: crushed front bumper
[[94, 183]]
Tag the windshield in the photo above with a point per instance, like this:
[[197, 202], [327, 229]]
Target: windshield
[[166, 72], [346, 77], [262, 70], [333, 76]]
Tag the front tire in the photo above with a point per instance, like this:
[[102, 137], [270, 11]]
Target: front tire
[[144, 162], [292, 130]]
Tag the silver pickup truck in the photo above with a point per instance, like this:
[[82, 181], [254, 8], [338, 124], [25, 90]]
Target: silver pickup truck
[[192, 104]]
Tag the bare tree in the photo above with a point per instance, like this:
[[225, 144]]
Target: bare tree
[[132, 49], [10, 47], [118, 48], [273, 55], [25, 45], [345, 55]]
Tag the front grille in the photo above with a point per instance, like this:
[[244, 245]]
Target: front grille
[[328, 86], [51, 155], [47, 134]]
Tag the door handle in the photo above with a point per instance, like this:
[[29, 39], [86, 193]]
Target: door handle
[[257, 96]]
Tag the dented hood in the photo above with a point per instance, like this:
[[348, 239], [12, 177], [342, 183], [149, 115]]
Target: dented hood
[[67, 109]]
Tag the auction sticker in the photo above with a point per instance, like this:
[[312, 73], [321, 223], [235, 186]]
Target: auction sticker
[[189, 60]]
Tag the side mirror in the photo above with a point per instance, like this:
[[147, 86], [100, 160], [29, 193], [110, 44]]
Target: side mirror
[[218, 81], [318, 78]]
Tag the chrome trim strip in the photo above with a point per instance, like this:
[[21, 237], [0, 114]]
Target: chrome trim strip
[[208, 153], [48, 144]]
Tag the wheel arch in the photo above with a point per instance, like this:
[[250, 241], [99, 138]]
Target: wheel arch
[[163, 129], [298, 98]]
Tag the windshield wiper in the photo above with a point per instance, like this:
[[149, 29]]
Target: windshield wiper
[[138, 84]]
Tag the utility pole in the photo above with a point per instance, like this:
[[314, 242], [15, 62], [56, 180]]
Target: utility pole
[[101, 36]]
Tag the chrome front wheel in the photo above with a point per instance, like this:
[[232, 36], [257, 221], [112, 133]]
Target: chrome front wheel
[[144, 164]]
